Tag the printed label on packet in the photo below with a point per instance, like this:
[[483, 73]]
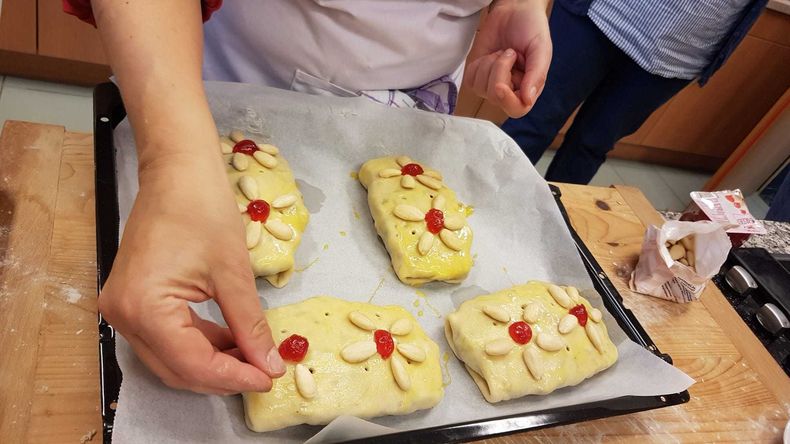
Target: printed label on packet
[[728, 207]]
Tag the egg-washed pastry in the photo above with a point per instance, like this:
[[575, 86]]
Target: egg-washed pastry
[[529, 340], [346, 358], [418, 217], [272, 207]]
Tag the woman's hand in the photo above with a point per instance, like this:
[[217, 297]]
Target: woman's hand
[[511, 55], [184, 242]]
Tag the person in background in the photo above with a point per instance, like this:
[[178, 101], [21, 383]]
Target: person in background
[[182, 246], [780, 206], [621, 60]]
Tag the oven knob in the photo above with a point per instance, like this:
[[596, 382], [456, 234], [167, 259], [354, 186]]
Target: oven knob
[[740, 280], [772, 318]]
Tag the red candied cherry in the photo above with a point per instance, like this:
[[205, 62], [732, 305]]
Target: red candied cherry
[[411, 169], [245, 146], [293, 348], [258, 210], [384, 343], [434, 219], [580, 311], [520, 332]]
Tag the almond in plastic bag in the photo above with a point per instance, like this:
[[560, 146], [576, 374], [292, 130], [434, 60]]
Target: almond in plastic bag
[[701, 250]]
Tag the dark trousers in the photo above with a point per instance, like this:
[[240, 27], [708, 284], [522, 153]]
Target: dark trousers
[[618, 97]]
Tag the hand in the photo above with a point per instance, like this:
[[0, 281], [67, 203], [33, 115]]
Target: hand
[[182, 244], [511, 55]]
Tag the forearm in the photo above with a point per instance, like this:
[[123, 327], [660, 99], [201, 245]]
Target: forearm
[[155, 50]]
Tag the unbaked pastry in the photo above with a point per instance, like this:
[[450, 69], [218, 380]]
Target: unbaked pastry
[[529, 339], [418, 217], [346, 358], [272, 206]]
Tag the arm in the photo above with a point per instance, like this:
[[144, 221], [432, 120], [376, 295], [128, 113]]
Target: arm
[[511, 55], [180, 245]]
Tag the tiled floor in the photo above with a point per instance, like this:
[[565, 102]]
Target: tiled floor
[[70, 106]]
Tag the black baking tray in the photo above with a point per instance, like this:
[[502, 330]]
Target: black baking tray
[[108, 112]]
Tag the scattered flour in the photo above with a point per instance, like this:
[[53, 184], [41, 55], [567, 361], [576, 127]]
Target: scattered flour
[[88, 436], [71, 294]]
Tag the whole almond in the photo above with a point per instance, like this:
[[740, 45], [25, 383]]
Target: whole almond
[[549, 342], [496, 313], [560, 296], [360, 320], [358, 351], [389, 172], [499, 347], [401, 327], [398, 368], [567, 323], [408, 213], [248, 187], [305, 382], [532, 360], [412, 352]]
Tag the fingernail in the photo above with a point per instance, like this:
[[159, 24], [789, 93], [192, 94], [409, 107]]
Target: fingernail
[[276, 364], [509, 53], [500, 93], [532, 92]]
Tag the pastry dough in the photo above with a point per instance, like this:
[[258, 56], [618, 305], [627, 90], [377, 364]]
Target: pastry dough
[[339, 331], [261, 173], [404, 197], [559, 353]]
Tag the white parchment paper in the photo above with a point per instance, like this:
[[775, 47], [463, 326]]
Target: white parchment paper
[[519, 236]]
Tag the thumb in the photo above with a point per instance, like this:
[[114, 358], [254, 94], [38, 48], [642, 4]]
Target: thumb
[[238, 301]]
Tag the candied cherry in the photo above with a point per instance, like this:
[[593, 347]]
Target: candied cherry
[[293, 348], [411, 169], [258, 210], [245, 146], [520, 332], [384, 343], [435, 220], [580, 311]]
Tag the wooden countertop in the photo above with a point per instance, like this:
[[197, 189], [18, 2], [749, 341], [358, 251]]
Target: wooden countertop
[[48, 327]]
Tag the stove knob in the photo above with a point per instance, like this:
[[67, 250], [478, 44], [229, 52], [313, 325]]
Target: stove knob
[[772, 318], [740, 280]]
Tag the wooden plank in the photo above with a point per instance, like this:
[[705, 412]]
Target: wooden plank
[[29, 167], [18, 26], [739, 334], [66, 402], [63, 36]]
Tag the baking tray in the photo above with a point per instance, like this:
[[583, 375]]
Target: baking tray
[[108, 112]]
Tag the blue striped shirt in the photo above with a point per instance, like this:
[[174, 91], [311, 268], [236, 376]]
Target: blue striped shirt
[[670, 38]]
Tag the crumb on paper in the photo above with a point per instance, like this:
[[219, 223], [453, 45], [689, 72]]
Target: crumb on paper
[[71, 294], [88, 436]]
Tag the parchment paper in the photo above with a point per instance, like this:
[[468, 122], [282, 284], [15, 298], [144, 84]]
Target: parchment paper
[[519, 236]]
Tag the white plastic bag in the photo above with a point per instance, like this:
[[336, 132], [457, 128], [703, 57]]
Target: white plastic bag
[[657, 274]]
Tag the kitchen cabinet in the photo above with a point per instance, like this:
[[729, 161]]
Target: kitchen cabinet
[[38, 40], [700, 127]]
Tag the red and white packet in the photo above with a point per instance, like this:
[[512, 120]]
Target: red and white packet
[[657, 274]]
